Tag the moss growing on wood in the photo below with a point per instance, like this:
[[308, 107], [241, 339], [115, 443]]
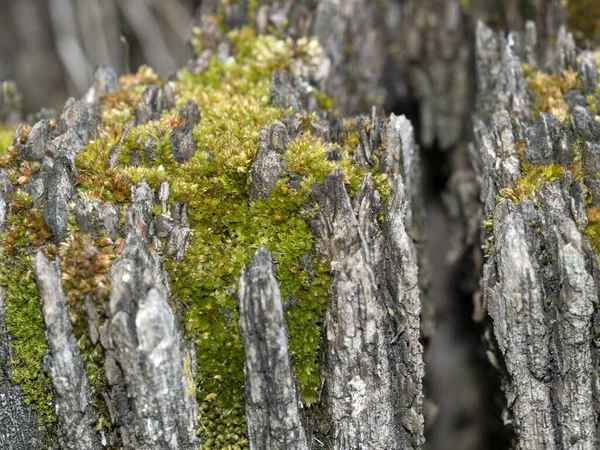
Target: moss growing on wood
[[593, 229], [233, 96], [85, 266], [6, 136], [550, 90], [531, 180], [24, 321]]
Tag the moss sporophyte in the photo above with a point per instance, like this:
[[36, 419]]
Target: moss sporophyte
[[233, 96]]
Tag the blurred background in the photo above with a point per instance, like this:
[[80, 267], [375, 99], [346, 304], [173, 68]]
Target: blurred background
[[50, 47]]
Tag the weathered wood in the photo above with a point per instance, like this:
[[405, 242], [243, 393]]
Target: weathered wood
[[273, 409], [540, 280], [73, 406], [373, 358], [144, 356]]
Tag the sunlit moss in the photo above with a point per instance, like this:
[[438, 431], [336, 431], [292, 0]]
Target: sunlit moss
[[6, 136], [26, 327], [7, 152], [593, 229], [532, 179], [234, 100], [549, 90]]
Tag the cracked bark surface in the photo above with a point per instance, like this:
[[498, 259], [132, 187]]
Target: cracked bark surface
[[144, 354], [373, 358], [273, 409], [73, 405], [540, 282]]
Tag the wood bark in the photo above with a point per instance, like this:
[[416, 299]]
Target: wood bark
[[540, 282]]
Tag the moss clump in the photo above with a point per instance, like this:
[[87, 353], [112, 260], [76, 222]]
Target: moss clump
[[7, 151], [532, 179], [24, 321], [6, 137], [593, 229], [99, 182], [233, 97], [550, 90], [26, 327]]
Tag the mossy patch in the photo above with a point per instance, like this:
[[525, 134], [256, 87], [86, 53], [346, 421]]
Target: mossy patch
[[532, 179], [233, 96], [26, 327], [6, 137], [550, 90], [24, 320], [593, 229]]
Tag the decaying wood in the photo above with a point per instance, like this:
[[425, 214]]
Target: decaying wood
[[73, 406], [373, 358]]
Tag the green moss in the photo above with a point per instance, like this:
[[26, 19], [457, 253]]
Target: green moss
[[488, 223], [25, 324], [234, 99], [325, 102], [550, 90], [531, 180], [593, 229], [6, 137], [24, 321], [252, 10]]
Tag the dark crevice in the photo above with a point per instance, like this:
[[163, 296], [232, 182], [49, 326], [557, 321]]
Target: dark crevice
[[458, 379]]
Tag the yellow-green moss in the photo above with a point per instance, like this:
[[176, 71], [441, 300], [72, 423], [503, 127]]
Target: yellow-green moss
[[24, 321], [6, 136], [549, 90], [233, 97], [26, 327], [593, 229], [532, 179]]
